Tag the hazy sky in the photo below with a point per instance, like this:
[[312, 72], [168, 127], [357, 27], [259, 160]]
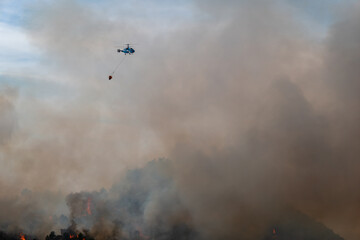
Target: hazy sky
[[56, 58], [18, 52]]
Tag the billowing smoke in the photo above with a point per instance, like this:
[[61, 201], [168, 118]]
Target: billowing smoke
[[145, 202], [8, 114], [259, 122]]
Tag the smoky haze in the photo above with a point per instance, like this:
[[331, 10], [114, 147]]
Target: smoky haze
[[255, 115]]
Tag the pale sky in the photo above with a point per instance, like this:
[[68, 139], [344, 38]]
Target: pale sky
[[18, 52]]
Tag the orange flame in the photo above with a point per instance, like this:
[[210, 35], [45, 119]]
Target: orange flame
[[274, 231], [71, 236], [22, 236], [88, 209]]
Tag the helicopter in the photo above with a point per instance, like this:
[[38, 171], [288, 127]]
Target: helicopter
[[128, 50]]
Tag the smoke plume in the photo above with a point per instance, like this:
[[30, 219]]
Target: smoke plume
[[258, 121]]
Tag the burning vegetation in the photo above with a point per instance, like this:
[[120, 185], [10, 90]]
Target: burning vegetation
[[68, 235], [123, 213]]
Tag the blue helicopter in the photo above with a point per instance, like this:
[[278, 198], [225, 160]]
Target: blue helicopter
[[128, 50]]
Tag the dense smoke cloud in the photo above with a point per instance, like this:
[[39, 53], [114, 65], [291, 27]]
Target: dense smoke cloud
[[32, 213], [8, 114], [258, 119]]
